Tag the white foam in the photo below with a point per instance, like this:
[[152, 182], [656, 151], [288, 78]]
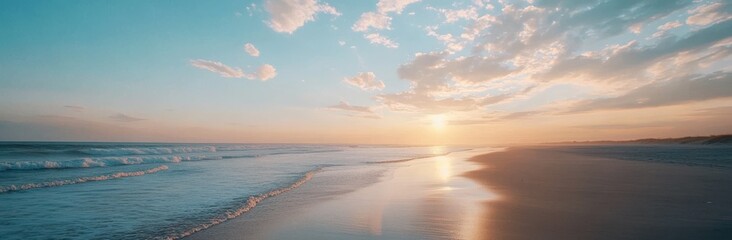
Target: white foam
[[247, 206], [148, 150], [56, 183]]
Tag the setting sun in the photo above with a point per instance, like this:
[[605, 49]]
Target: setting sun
[[438, 122]]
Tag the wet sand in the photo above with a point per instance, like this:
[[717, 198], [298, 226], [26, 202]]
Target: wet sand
[[549, 194], [426, 198]]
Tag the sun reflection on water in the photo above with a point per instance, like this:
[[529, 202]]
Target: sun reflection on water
[[444, 168]]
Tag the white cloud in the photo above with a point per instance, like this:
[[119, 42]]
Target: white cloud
[[365, 81], [376, 38], [372, 20], [251, 50], [454, 15], [341, 43], [385, 6], [217, 67], [286, 16], [666, 27], [266, 72], [380, 19], [450, 42], [708, 14]]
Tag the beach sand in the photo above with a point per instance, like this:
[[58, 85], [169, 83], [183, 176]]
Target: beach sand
[[521, 193], [546, 193]]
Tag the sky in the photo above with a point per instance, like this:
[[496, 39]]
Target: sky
[[364, 72]]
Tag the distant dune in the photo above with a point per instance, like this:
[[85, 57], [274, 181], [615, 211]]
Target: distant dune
[[714, 139]]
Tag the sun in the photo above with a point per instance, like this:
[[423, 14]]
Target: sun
[[438, 122]]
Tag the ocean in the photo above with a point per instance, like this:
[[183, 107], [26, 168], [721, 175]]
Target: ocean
[[160, 190]]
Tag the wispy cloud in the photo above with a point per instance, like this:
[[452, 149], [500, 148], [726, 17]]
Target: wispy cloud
[[454, 15], [125, 118], [380, 20], [218, 67], [376, 38], [675, 91], [251, 50], [372, 20], [286, 16], [75, 108], [264, 72], [354, 111], [710, 13], [365, 81]]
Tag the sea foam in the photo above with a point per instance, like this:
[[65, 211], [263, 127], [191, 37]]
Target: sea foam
[[248, 205], [57, 183]]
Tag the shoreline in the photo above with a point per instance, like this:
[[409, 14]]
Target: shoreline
[[547, 193], [428, 197]]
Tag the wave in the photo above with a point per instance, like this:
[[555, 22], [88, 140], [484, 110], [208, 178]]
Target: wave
[[56, 183], [107, 162], [130, 160], [246, 206], [148, 150]]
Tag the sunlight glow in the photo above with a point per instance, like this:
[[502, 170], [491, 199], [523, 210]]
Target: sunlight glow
[[444, 168], [438, 122]]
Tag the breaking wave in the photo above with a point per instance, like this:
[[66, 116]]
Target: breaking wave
[[129, 160], [56, 183], [244, 207], [101, 162], [148, 150]]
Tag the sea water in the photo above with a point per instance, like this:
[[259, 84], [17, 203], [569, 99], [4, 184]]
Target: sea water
[[157, 190]]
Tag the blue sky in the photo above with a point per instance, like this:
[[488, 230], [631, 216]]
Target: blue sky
[[362, 71]]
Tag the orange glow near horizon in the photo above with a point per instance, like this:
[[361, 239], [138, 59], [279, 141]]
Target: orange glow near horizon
[[438, 122]]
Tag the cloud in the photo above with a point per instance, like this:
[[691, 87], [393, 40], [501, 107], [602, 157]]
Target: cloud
[[454, 15], [251, 50], [631, 61], [380, 20], [438, 83], [286, 16], [266, 72], [494, 118], [452, 44], [354, 111], [385, 6], [710, 13], [372, 20], [365, 81], [75, 108], [376, 38], [666, 27], [125, 118], [676, 91], [217, 67], [544, 42]]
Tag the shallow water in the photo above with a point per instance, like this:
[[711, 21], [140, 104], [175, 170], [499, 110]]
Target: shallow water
[[421, 199], [121, 190]]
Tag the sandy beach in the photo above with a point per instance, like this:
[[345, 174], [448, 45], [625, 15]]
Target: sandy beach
[[518, 193], [547, 193]]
